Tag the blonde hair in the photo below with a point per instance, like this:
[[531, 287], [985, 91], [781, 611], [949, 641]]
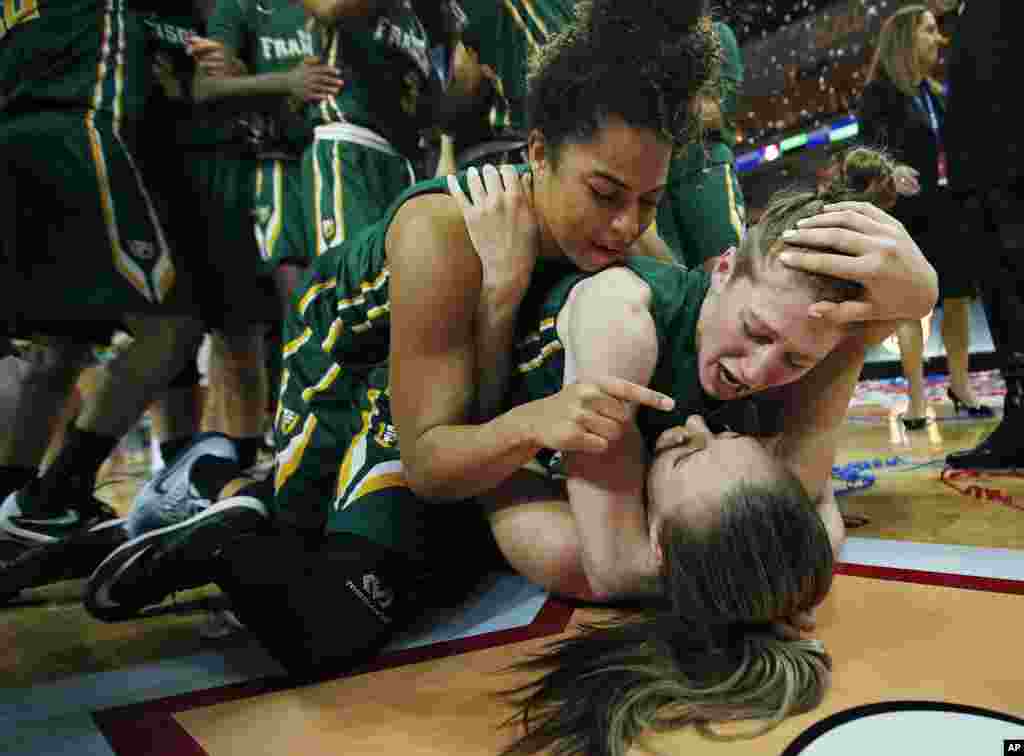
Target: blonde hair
[[894, 55], [862, 174], [710, 654]]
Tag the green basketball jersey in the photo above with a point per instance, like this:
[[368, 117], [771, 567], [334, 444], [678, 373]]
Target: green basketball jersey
[[171, 116], [271, 36], [677, 296], [395, 68], [506, 35], [74, 54]]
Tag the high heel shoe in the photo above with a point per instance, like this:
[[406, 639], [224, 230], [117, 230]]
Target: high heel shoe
[[913, 423], [979, 411]]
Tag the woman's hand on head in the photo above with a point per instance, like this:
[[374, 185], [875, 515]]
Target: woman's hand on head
[[869, 246], [502, 225]]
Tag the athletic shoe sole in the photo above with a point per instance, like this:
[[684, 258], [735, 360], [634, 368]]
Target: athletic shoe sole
[[70, 522], [205, 539], [69, 559]]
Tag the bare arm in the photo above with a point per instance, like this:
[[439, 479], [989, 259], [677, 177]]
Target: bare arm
[[611, 332], [213, 88], [220, 75], [501, 223], [815, 407], [435, 290], [535, 530]]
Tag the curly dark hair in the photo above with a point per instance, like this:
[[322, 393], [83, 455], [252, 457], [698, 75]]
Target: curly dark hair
[[645, 62]]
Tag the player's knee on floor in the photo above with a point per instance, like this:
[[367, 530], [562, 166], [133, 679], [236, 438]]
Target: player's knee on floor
[[317, 610]]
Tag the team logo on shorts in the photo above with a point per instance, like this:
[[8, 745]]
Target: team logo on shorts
[[143, 250], [382, 596], [329, 228], [262, 214]]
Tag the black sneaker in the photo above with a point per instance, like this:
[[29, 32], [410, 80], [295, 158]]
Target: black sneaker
[[67, 559], [24, 518], [145, 570]]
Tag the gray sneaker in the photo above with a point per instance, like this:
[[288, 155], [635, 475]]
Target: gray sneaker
[[169, 497]]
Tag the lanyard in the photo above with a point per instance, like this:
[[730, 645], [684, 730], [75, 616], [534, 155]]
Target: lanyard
[[929, 109]]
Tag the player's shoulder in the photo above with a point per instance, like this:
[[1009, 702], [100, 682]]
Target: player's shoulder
[[617, 286], [430, 226]]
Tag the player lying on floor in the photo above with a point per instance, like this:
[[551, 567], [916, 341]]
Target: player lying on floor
[[738, 553], [733, 535]]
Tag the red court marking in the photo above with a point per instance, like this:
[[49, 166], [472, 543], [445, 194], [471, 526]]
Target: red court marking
[[950, 476], [150, 729], [949, 580]]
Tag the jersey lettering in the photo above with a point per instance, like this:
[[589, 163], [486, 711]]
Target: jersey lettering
[[412, 44], [301, 46], [174, 35]]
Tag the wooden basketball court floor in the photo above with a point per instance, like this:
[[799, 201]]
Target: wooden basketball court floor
[[925, 625]]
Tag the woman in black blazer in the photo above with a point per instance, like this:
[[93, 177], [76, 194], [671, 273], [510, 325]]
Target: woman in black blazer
[[903, 111]]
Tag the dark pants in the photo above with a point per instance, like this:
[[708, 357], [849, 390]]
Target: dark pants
[[323, 608], [994, 219]]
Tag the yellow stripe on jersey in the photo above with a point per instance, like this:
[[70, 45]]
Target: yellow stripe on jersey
[[123, 263], [514, 13], [383, 475], [528, 5], [323, 384], [355, 455], [332, 335], [119, 70], [545, 325], [296, 344], [372, 315], [164, 276], [329, 110], [289, 458], [548, 350], [338, 194], [313, 291], [364, 287], [734, 213]]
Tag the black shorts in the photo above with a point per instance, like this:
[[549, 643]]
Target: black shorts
[[327, 608]]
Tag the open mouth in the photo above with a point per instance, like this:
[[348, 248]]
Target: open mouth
[[731, 380], [608, 251]]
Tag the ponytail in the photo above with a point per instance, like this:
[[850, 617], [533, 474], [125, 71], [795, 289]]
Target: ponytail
[[604, 688]]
